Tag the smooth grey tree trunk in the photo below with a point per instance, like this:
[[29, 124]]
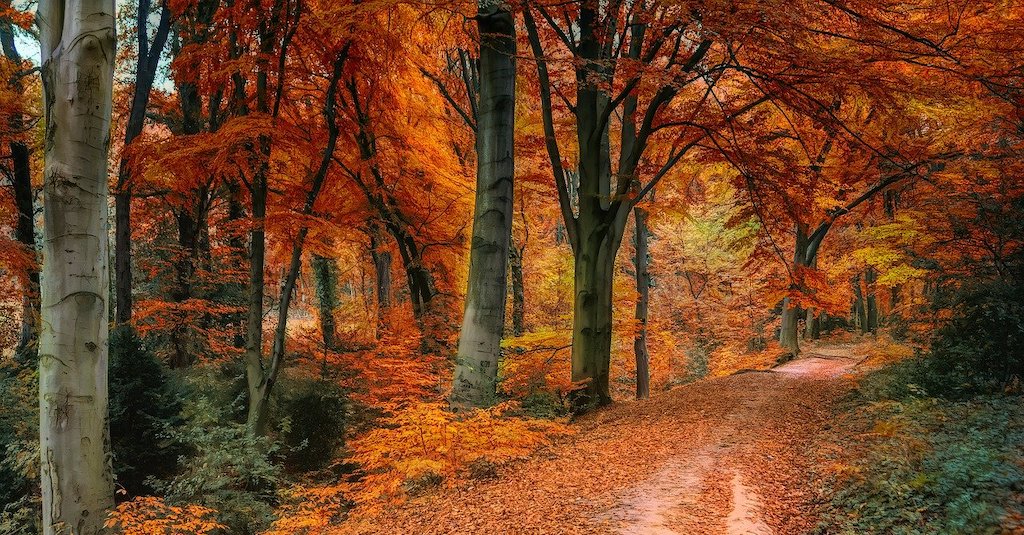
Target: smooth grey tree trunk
[[77, 41], [476, 366]]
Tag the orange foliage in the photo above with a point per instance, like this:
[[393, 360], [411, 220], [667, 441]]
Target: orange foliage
[[425, 441], [149, 515]]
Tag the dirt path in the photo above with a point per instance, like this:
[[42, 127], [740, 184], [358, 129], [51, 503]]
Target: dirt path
[[721, 456]]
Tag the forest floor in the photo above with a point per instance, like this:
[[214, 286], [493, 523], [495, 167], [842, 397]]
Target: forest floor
[[726, 455]]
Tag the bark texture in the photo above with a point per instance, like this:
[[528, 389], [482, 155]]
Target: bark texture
[[77, 40], [476, 367], [641, 263], [145, 73]]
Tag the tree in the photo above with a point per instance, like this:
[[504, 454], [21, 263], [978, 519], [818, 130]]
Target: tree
[[20, 174], [476, 367], [145, 73], [77, 41]]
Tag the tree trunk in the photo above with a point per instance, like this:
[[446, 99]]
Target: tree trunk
[[382, 268], [21, 184], [643, 289], [870, 302], [515, 264], [859, 310], [592, 316], [325, 275], [145, 72], [77, 41], [261, 381], [788, 335], [476, 365]]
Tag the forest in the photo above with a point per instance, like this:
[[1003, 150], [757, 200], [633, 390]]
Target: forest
[[551, 266]]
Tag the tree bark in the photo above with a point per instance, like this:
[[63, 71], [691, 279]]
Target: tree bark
[[788, 336], [592, 318], [382, 269], [515, 264], [325, 275], [870, 302], [77, 39], [476, 365], [261, 381], [21, 182], [145, 73], [643, 289]]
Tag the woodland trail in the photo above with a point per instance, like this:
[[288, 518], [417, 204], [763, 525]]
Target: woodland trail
[[727, 455]]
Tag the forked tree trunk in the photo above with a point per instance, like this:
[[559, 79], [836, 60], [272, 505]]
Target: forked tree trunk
[[643, 289], [145, 74], [592, 317], [476, 365], [77, 39]]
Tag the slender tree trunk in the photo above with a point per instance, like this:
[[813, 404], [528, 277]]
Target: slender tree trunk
[[643, 289], [515, 264], [145, 73], [476, 366], [382, 269], [859, 310], [77, 41], [870, 302], [261, 382], [24, 229], [254, 316]]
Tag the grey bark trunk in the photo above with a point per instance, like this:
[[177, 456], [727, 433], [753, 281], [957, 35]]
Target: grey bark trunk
[[476, 367], [77, 39], [592, 318], [643, 289]]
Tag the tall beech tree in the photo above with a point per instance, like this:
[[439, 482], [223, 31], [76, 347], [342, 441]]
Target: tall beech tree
[[613, 79], [77, 45], [476, 366]]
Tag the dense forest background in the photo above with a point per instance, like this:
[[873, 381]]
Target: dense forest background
[[356, 252]]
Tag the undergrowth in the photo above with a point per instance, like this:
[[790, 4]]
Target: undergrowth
[[918, 463]]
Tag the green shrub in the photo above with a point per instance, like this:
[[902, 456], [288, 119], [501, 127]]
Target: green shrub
[[144, 408], [312, 416], [225, 468], [923, 464], [981, 350]]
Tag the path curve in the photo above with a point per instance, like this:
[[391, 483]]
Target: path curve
[[720, 456]]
